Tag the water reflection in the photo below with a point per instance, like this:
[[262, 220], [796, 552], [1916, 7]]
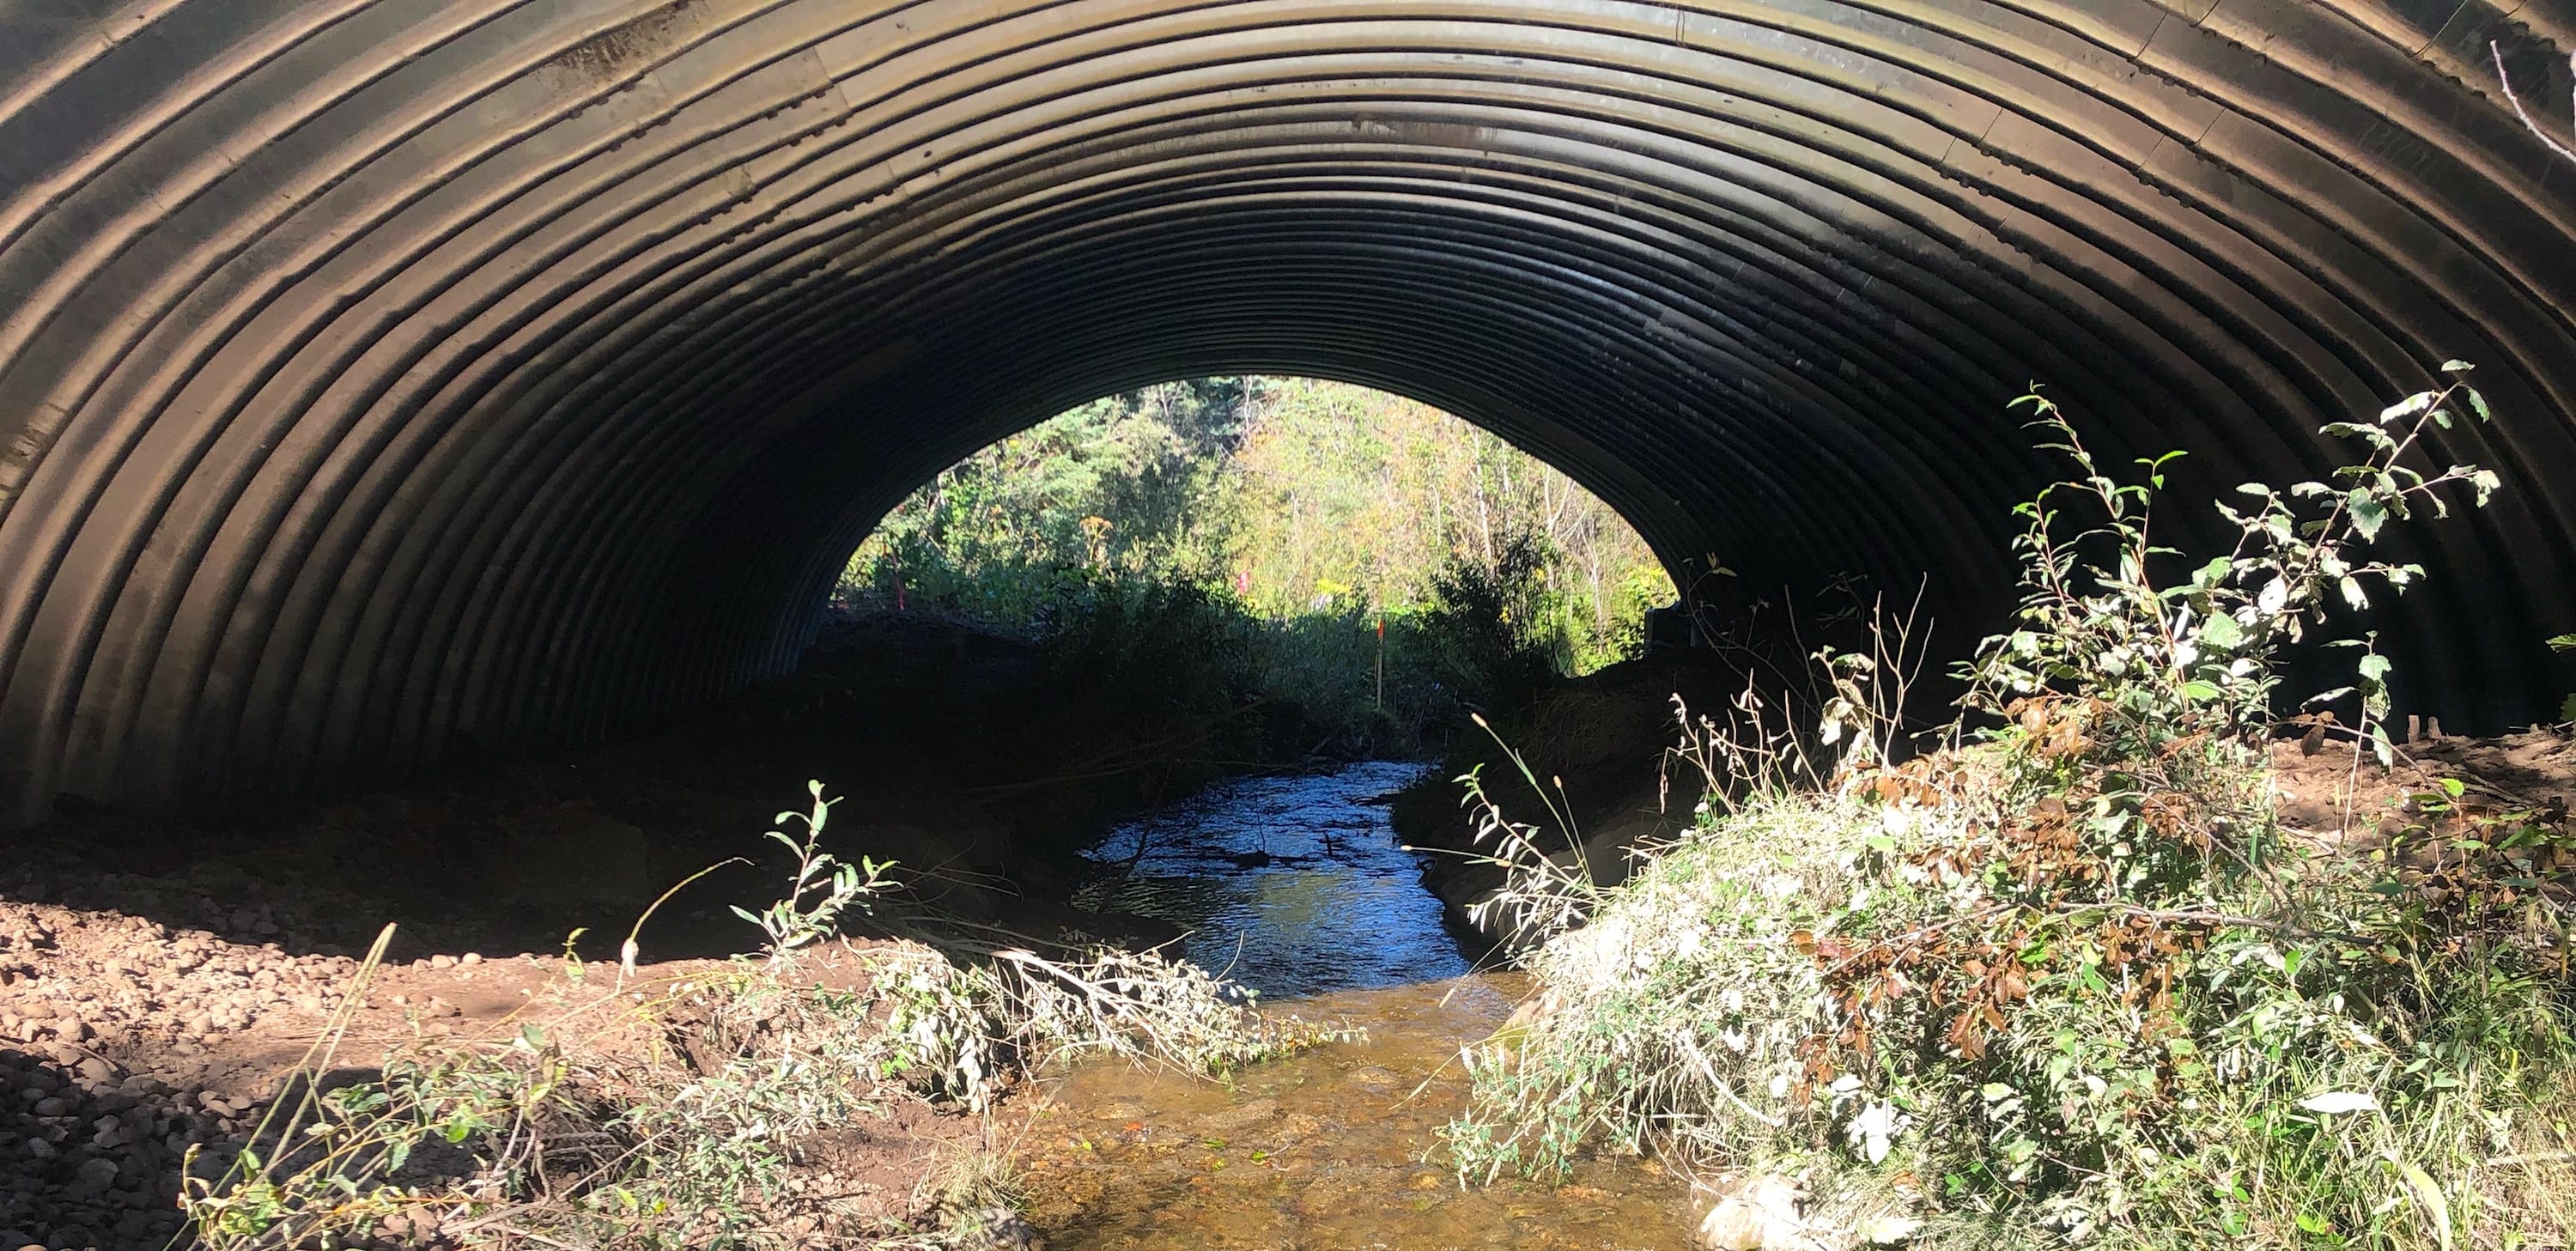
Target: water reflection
[[1300, 886], [1292, 886]]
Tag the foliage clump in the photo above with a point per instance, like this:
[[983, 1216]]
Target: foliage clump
[[1377, 564], [2074, 981]]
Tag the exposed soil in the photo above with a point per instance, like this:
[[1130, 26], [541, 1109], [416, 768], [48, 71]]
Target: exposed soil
[[2322, 787], [159, 977], [124, 1043]]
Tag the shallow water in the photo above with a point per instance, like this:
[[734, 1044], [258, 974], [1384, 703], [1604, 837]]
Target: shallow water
[[1290, 886], [1337, 1148]]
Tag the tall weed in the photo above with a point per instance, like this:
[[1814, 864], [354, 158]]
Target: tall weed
[[2073, 981]]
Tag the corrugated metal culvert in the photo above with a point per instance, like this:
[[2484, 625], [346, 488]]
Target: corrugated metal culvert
[[375, 373]]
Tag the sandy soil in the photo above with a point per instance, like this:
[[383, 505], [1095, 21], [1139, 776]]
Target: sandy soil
[[159, 976], [125, 1042]]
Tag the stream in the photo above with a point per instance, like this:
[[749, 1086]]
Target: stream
[[1298, 888]]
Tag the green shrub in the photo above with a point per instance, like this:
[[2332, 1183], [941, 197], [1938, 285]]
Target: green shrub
[[1497, 629], [2073, 982]]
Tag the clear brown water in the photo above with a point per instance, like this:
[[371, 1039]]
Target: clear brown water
[[1336, 1149]]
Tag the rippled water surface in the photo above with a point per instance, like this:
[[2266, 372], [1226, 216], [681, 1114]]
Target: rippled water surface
[[1291, 886], [1300, 884]]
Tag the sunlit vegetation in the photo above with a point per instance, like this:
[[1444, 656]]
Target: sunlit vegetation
[[1297, 518], [2068, 977]]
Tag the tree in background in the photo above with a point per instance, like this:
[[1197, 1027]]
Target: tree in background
[[1349, 495], [1280, 521], [1118, 486], [1300, 495]]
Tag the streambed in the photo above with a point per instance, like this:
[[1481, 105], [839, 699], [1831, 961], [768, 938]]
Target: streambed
[[1299, 888]]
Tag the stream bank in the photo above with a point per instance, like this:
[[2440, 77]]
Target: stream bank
[[128, 1038], [967, 755], [160, 976], [169, 973]]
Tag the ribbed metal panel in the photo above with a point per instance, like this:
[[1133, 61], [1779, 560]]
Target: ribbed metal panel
[[376, 374]]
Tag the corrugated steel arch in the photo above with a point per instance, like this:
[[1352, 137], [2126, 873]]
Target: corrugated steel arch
[[380, 373]]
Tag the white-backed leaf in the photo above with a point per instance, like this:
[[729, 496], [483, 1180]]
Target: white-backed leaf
[[1886, 1230], [2339, 1102]]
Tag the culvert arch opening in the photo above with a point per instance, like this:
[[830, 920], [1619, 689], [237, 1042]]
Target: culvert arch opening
[[380, 377]]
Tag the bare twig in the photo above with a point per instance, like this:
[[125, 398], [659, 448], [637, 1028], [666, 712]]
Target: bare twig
[[2532, 1157], [2506, 81]]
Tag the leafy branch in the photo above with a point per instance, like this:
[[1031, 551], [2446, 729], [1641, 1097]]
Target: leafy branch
[[792, 922], [2200, 656]]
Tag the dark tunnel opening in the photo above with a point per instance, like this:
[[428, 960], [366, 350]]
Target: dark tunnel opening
[[433, 433], [383, 378]]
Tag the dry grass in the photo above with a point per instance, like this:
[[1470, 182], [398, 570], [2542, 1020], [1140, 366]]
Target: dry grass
[[2074, 985], [674, 1112]]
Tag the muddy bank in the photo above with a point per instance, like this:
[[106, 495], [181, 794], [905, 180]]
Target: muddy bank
[[132, 1053], [971, 757], [127, 1040], [159, 977]]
